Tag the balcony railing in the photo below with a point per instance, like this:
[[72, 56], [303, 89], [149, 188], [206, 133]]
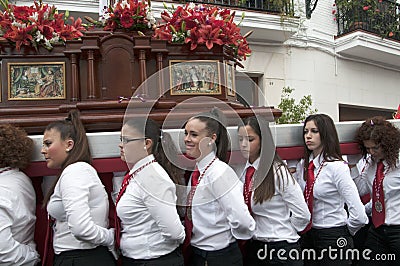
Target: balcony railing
[[381, 18], [282, 7]]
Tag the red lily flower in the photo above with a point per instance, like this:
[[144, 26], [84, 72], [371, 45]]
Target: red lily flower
[[209, 36], [46, 21]]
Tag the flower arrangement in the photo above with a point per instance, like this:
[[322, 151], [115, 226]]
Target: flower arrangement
[[131, 15], [396, 115], [37, 25], [203, 24]]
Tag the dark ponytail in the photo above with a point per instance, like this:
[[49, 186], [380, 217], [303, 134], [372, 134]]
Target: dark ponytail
[[72, 127]]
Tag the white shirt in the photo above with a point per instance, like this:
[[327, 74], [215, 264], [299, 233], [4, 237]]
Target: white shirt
[[285, 214], [218, 210], [17, 219], [80, 206], [150, 223], [332, 189], [391, 187]]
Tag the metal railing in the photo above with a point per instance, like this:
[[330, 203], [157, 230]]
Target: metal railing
[[380, 18], [282, 7]]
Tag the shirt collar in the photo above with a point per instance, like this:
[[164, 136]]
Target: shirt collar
[[317, 160], [141, 163], [255, 164], [205, 161]]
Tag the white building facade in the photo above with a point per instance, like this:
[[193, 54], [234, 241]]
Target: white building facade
[[356, 70]]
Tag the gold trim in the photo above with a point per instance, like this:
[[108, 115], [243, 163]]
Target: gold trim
[[230, 79], [36, 81], [194, 77]]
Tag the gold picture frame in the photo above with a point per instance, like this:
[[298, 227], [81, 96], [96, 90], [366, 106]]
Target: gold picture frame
[[194, 77], [230, 79], [36, 81]]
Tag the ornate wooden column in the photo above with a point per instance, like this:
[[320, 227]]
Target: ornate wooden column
[[91, 48], [141, 46], [160, 48], [73, 52]]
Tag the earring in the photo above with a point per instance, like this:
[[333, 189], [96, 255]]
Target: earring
[[67, 150], [144, 148], [209, 144]]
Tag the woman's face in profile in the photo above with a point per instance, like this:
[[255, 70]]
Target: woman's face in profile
[[55, 150], [249, 143], [132, 145]]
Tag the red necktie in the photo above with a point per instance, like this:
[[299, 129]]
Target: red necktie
[[247, 187], [378, 198], [247, 200], [188, 217], [308, 193], [124, 185]]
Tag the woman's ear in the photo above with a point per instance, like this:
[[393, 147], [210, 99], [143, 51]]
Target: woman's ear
[[213, 138], [148, 144], [70, 144]]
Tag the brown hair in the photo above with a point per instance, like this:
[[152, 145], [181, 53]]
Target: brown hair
[[329, 140], [270, 162], [383, 133], [15, 147], [72, 128]]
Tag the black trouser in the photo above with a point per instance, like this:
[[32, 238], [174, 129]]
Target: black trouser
[[174, 258], [99, 256], [384, 244], [273, 253], [230, 255], [327, 246]]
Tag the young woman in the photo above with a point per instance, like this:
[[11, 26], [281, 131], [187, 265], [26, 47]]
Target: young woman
[[77, 200], [327, 187], [151, 231], [381, 178], [275, 199], [17, 199], [216, 213]]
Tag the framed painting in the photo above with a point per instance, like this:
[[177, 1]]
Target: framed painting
[[194, 77], [36, 81], [230, 79]]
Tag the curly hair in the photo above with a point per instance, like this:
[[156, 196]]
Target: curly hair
[[383, 133], [15, 147]]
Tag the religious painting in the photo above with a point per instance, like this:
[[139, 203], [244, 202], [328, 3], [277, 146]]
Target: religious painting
[[194, 77], [36, 81]]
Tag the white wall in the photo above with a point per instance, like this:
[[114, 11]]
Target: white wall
[[308, 63]]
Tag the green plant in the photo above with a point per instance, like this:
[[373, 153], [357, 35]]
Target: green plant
[[293, 112], [285, 7], [378, 16]]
